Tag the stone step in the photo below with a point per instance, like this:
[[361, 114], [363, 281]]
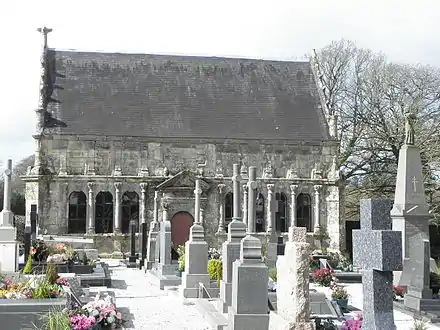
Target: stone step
[[213, 317]]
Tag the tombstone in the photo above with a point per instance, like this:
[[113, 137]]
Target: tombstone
[[249, 308], [153, 236], [165, 271], [293, 297], [196, 263], [231, 248], [34, 218], [8, 233], [132, 258], [27, 242], [377, 250], [280, 246], [143, 244], [410, 212]]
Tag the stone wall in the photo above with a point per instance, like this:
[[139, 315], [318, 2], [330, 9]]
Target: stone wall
[[96, 158]]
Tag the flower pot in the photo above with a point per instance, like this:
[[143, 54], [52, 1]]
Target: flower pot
[[343, 304]]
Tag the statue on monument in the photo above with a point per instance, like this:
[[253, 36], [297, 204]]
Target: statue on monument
[[409, 128]]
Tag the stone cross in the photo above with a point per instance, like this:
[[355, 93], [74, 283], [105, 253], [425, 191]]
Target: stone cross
[[252, 194], [377, 250], [245, 204], [249, 308], [270, 213], [6, 215], [293, 297], [293, 189], [44, 32], [221, 221]]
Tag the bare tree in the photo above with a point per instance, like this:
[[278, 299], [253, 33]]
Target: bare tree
[[371, 96]]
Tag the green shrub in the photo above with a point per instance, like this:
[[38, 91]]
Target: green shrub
[[181, 260], [55, 320], [273, 274], [215, 269], [28, 267], [51, 273]]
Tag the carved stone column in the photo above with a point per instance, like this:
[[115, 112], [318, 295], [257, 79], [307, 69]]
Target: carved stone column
[[221, 210], [156, 207], [143, 208], [293, 189], [202, 215], [245, 204], [117, 210], [252, 196], [270, 210], [236, 178], [317, 222], [165, 207], [91, 209], [197, 193]]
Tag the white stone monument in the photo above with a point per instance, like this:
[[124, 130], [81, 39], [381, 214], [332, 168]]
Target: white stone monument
[[8, 233]]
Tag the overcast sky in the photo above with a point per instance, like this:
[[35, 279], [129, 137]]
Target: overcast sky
[[407, 31]]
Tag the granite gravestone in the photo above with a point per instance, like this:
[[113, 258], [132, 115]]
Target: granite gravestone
[[132, 258], [231, 248], [8, 233], [293, 297], [196, 254], [34, 219], [249, 309], [377, 250]]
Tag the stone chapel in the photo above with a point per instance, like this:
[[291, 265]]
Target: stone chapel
[[115, 130]]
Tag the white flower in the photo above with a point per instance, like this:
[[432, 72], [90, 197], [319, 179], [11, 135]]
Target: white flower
[[110, 319]]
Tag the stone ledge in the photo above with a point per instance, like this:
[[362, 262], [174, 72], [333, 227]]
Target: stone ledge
[[212, 316]]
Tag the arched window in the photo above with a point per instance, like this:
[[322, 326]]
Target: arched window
[[304, 211], [104, 212], [229, 208], [281, 212], [77, 213], [130, 211], [259, 221]]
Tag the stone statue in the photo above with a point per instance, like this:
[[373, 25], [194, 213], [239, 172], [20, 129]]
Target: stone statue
[[409, 128], [268, 171]]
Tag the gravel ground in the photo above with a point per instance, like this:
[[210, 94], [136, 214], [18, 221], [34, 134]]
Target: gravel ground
[[145, 306]]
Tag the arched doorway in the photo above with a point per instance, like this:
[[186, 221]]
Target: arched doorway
[[181, 222], [130, 211], [104, 212], [77, 213]]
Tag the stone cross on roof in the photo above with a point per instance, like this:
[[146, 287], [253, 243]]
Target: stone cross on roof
[[378, 251], [44, 32]]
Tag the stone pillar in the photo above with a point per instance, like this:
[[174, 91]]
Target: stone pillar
[[293, 297], [6, 215], [197, 193], [196, 262], [236, 178], [8, 233], [252, 191], [117, 210], [143, 225], [221, 211], [249, 288], [245, 204], [272, 242], [202, 215], [91, 209], [153, 237], [317, 222], [293, 189], [270, 219]]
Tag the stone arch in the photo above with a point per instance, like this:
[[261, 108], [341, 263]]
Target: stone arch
[[181, 222], [77, 213], [304, 211], [104, 212], [259, 208], [281, 222], [130, 211]]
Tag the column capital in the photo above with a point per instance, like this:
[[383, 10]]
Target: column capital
[[165, 205], [317, 187], [245, 188], [221, 188], [293, 188], [90, 185], [118, 186], [270, 187], [143, 186]]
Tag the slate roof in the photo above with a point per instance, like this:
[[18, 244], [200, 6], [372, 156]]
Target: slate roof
[[118, 94]]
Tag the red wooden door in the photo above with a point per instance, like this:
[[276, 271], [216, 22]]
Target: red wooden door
[[181, 222]]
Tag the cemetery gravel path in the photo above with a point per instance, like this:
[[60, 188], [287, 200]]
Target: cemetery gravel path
[[145, 306]]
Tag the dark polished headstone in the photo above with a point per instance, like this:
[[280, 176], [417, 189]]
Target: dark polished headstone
[[144, 244], [132, 258], [34, 218], [27, 241]]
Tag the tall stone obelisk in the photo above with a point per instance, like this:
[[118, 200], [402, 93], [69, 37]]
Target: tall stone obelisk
[[8, 233]]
